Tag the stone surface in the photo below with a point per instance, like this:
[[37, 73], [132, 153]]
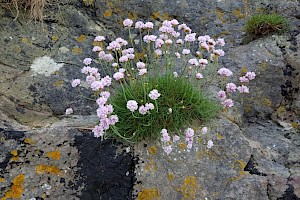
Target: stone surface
[[256, 144]]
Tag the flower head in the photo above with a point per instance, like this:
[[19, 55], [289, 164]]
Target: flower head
[[87, 61], [227, 103], [225, 72], [75, 82], [230, 87], [127, 22], [69, 111], [132, 105], [99, 38], [204, 130], [154, 94], [243, 89], [250, 75], [210, 144], [222, 95]]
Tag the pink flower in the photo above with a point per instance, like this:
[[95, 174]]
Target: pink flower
[[243, 89], [114, 45], [143, 110], [85, 70], [89, 79], [121, 41], [158, 43], [250, 75], [227, 103], [186, 51], [190, 145], [168, 41], [219, 52], [106, 81], [87, 61], [127, 22], [97, 48], [202, 39], [210, 144], [139, 25], [177, 55], [225, 72], [132, 105], [105, 94], [230, 87], [203, 62], [199, 76], [158, 52], [189, 133], [222, 95], [175, 74], [167, 149], [204, 130], [98, 131], [75, 82], [96, 85], [176, 138], [118, 76], [69, 111], [163, 36], [122, 70], [190, 37], [211, 43], [108, 57], [149, 25], [220, 42], [101, 101], [244, 79], [123, 59], [193, 61], [154, 94], [149, 38], [204, 45], [140, 65], [179, 41], [175, 34], [149, 106], [113, 119], [174, 22], [99, 38], [114, 65], [130, 56], [101, 55], [142, 71]]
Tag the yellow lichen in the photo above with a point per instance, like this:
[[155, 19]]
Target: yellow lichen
[[239, 165], [107, 13], [148, 194], [44, 195], [25, 40], [238, 14], [54, 38], [220, 15], [14, 158], [150, 166], [16, 190], [219, 136], [155, 16], [58, 83], [54, 155], [170, 176], [81, 38], [152, 150], [189, 188], [132, 16], [2, 180], [244, 70], [28, 140], [266, 102], [14, 152], [182, 146], [97, 43], [88, 2], [76, 50], [295, 125]]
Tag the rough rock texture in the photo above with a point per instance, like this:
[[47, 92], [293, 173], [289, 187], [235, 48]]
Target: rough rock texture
[[256, 151]]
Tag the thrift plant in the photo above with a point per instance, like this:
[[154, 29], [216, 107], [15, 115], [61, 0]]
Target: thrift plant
[[155, 82]]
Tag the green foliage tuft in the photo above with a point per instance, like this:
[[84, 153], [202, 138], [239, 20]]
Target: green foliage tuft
[[264, 24], [179, 94]]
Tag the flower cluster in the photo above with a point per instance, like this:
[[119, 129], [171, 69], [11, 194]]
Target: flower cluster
[[231, 88], [174, 51]]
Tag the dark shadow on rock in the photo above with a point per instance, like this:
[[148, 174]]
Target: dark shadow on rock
[[104, 173]]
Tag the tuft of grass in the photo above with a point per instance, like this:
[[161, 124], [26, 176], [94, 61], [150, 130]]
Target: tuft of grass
[[179, 94], [264, 24], [35, 7]]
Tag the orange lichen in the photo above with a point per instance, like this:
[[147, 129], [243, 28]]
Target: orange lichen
[[28, 141], [81, 38], [148, 194], [107, 13], [51, 169], [189, 188], [152, 150], [17, 189], [2, 180], [54, 155], [150, 166]]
